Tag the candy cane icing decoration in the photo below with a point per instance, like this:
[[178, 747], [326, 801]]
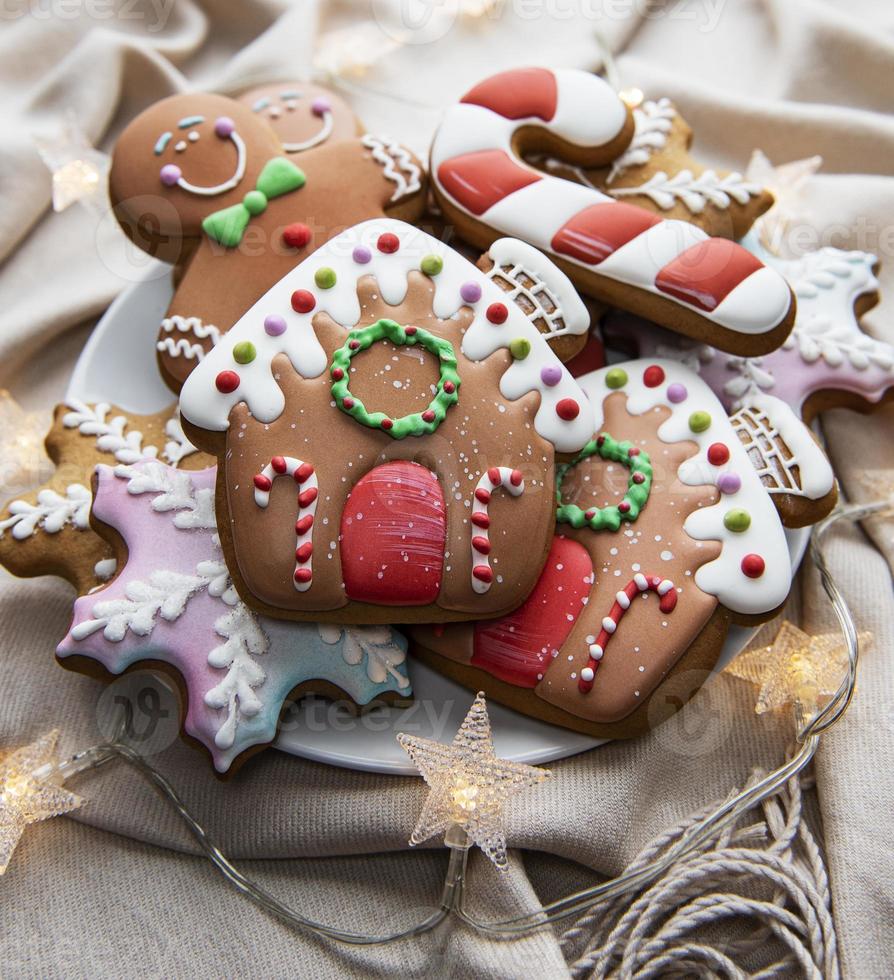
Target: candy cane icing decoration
[[303, 474], [497, 476], [638, 584], [478, 171]]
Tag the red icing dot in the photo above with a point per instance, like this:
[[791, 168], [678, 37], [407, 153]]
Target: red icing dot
[[303, 574], [304, 552], [481, 543], [348, 402], [303, 472], [296, 235], [304, 524], [718, 454], [337, 374], [515, 478], [483, 573], [262, 482], [279, 464], [387, 424], [303, 301], [753, 566], [633, 451], [600, 441], [410, 331], [590, 514], [653, 376], [227, 381], [482, 495], [353, 344], [493, 474], [449, 387], [388, 242], [307, 497], [567, 409], [428, 415], [639, 478], [497, 313], [481, 520], [623, 507]]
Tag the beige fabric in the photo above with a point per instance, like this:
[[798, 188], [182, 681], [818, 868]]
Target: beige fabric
[[113, 894]]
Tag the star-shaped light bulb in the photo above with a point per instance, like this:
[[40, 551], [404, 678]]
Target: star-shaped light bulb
[[786, 183], [28, 792], [24, 462], [79, 171], [796, 669], [468, 785]]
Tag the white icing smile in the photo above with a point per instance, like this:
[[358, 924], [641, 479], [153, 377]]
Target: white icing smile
[[230, 182], [320, 136]]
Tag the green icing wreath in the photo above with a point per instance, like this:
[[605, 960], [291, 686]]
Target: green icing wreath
[[418, 423], [638, 486]]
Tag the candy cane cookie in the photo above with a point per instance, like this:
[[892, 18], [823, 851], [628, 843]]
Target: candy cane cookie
[[709, 289]]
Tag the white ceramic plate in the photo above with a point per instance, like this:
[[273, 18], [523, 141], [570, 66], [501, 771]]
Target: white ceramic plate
[[317, 729]]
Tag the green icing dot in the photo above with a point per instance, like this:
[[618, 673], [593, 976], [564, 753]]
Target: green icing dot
[[255, 202], [520, 348], [431, 265], [616, 378], [244, 353], [325, 277], [737, 520], [699, 421]]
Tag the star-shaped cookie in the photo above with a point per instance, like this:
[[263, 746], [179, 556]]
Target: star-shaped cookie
[[173, 604], [47, 532]]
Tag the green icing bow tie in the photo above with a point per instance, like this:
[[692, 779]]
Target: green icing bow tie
[[227, 226]]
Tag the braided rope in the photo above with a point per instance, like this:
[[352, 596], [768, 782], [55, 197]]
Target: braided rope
[[768, 874]]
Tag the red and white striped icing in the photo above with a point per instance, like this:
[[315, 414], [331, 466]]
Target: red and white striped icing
[[306, 478], [497, 476], [475, 166], [638, 585]]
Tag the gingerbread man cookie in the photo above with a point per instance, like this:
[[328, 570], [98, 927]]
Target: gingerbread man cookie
[[302, 115], [201, 181], [826, 362], [172, 607], [656, 172], [386, 420], [709, 289], [48, 532], [670, 527]]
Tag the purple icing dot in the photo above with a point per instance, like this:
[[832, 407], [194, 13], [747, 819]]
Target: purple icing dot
[[320, 106], [551, 375], [361, 254], [676, 393], [728, 483], [224, 126], [274, 325], [470, 292], [170, 174]]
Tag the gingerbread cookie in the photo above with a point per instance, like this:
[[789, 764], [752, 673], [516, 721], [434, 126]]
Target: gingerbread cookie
[[200, 180], [48, 532], [302, 115], [656, 172], [826, 362], [172, 606], [417, 411], [709, 289], [670, 527]]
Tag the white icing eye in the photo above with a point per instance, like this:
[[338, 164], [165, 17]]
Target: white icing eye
[[291, 105], [180, 146], [274, 112], [193, 136]]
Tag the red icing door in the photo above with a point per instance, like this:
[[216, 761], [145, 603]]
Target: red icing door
[[393, 535], [519, 647]]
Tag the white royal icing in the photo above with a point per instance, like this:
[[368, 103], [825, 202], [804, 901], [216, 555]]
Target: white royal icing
[[397, 163], [207, 407], [723, 577], [590, 113], [182, 346]]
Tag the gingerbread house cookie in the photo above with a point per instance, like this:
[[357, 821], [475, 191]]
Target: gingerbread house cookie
[[387, 420], [671, 526]]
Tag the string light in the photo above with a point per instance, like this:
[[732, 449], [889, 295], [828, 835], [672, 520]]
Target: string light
[[796, 670], [79, 171], [29, 792], [468, 785]]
